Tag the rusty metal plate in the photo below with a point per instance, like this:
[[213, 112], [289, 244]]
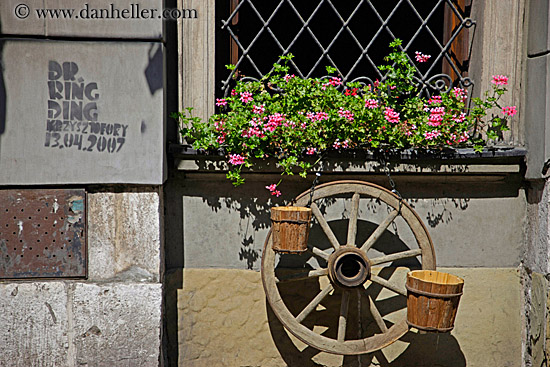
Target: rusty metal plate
[[43, 233]]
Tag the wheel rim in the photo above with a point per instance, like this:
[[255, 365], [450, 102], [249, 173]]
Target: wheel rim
[[354, 276]]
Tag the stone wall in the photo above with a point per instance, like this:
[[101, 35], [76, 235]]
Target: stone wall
[[111, 319], [82, 104]]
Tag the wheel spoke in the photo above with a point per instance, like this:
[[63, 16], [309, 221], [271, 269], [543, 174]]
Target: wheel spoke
[[377, 317], [386, 284], [314, 303], [352, 227], [379, 231], [342, 320], [324, 225], [318, 252], [396, 256], [302, 275]]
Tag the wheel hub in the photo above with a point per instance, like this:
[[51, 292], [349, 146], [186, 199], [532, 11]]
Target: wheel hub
[[348, 267]]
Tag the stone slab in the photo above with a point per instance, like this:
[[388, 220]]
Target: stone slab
[[537, 319], [129, 19], [117, 324], [124, 232], [223, 320], [539, 27], [212, 224], [34, 323], [84, 112]]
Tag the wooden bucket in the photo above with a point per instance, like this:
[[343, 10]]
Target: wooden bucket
[[432, 300], [290, 228]]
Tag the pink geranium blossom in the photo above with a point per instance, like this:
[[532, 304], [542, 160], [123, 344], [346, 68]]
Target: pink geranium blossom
[[246, 97], [460, 93], [420, 57], [509, 110], [371, 103], [258, 109], [391, 115], [221, 102], [345, 113], [311, 151], [436, 116], [273, 189], [500, 80], [430, 135], [236, 159]]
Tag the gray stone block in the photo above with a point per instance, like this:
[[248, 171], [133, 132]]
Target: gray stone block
[[131, 19], [34, 323], [117, 324], [537, 112], [83, 112], [16, 18], [124, 232], [539, 27]]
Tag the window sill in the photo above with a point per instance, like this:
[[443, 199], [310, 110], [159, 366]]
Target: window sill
[[464, 161]]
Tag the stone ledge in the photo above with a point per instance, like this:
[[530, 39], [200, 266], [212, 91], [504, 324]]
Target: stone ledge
[[507, 160]]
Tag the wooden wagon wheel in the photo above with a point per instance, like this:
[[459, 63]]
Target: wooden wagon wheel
[[349, 269]]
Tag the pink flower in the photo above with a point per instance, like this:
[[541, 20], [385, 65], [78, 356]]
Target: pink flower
[[337, 144], [430, 135], [288, 77], [271, 187], [500, 80], [311, 151], [509, 110], [317, 116], [221, 139], [371, 103], [459, 118], [273, 121], [345, 113], [233, 92], [221, 102], [460, 93], [434, 99], [236, 159], [391, 115], [334, 81], [436, 116], [277, 193], [246, 97], [258, 109], [420, 57]]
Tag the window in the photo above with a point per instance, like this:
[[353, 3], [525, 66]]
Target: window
[[352, 36]]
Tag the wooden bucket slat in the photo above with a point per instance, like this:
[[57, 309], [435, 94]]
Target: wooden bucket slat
[[290, 228], [427, 306]]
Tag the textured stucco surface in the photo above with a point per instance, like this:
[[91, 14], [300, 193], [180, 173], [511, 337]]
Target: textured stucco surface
[[212, 224], [223, 320]]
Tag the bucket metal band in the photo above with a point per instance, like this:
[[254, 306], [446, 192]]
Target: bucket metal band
[[433, 295], [296, 221]]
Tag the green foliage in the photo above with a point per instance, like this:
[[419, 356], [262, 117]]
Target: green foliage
[[295, 119]]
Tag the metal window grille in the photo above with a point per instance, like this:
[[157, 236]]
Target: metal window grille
[[351, 36]]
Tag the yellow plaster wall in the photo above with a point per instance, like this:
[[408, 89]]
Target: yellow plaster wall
[[222, 320]]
